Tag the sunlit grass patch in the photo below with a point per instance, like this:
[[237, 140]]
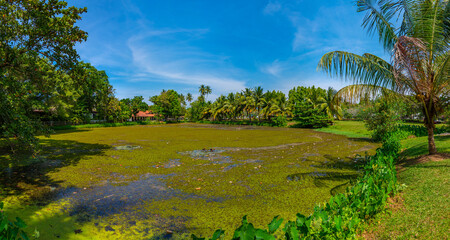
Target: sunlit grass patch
[[422, 210]]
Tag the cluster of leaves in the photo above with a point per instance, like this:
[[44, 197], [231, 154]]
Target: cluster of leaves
[[324, 101], [12, 230], [419, 48], [279, 121], [306, 116], [40, 76], [168, 104], [313, 107], [420, 131], [248, 231], [339, 218], [382, 119]]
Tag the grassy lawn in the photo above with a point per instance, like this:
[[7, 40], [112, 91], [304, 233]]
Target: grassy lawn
[[352, 129], [422, 210], [413, 147]]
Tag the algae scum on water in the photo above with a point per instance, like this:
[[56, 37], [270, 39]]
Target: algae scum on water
[[144, 182]]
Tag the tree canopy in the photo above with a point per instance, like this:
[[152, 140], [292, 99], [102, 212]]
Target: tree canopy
[[37, 53], [420, 60]]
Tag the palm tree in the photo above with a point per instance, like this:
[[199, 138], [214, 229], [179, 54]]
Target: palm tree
[[208, 90], [258, 95], [330, 104], [202, 90], [189, 97], [420, 60]]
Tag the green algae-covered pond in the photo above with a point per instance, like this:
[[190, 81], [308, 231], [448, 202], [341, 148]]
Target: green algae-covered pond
[[168, 181]]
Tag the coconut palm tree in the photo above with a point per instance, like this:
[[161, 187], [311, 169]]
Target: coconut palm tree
[[420, 60], [258, 95], [202, 90], [189, 97], [208, 90], [330, 104]]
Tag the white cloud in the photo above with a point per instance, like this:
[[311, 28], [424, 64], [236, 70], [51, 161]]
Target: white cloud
[[276, 68], [271, 8], [180, 63]]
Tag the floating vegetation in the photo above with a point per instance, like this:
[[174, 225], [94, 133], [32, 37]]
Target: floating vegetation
[[127, 147], [209, 154], [179, 179], [320, 178]]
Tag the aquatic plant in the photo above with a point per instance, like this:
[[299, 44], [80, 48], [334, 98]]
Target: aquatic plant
[[339, 218], [11, 230]]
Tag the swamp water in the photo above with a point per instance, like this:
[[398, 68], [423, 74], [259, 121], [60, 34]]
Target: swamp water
[[166, 182]]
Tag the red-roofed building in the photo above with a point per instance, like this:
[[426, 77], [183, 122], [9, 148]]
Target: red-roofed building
[[142, 116]]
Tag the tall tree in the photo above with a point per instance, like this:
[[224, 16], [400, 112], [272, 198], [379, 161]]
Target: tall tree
[[420, 61], [167, 104], [189, 97], [202, 90], [137, 104], [208, 90], [32, 32]]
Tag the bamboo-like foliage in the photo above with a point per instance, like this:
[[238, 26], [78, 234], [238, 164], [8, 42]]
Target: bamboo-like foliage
[[419, 63]]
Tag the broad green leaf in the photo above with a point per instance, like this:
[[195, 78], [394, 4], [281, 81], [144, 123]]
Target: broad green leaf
[[23, 235], [217, 234], [196, 238], [300, 219], [275, 224], [291, 232], [20, 223], [263, 235]]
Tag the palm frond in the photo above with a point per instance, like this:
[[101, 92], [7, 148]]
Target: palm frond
[[429, 18], [378, 19], [402, 9], [357, 92], [367, 69], [442, 77], [411, 66]]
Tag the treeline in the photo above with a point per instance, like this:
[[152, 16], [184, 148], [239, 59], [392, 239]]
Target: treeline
[[255, 105], [310, 106]]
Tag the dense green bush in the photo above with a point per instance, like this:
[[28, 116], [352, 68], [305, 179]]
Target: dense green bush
[[421, 131], [381, 120], [245, 122], [309, 117], [100, 125], [11, 230], [339, 218], [280, 121]]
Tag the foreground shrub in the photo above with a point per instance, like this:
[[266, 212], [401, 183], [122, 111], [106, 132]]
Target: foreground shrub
[[311, 118], [11, 230], [247, 122], [381, 120], [280, 121], [421, 131]]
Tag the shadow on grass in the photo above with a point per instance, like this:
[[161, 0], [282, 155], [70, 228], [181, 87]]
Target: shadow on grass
[[71, 130], [441, 166], [422, 147], [334, 169], [362, 139], [23, 171]]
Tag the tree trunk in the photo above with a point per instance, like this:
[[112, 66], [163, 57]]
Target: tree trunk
[[431, 144]]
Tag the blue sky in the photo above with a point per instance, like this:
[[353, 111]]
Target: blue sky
[[146, 46]]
